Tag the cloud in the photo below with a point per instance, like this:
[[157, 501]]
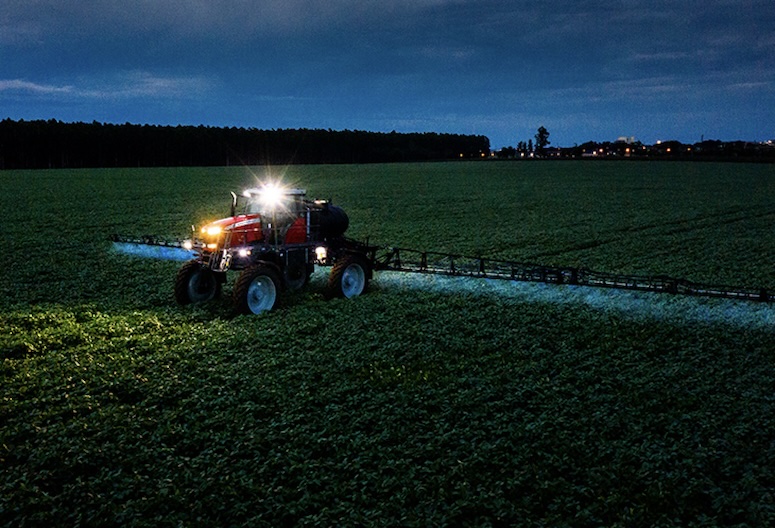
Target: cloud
[[234, 19], [22, 34], [446, 53], [22, 86], [750, 86], [467, 65], [145, 84], [662, 56], [126, 85]]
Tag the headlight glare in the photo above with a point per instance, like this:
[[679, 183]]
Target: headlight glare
[[212, 230]]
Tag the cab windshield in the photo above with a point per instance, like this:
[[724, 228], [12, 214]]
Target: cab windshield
[[287, 205], [254, 206]]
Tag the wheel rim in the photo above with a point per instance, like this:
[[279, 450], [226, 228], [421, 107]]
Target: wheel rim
[[261, 294], [353, 280], [201, 286]]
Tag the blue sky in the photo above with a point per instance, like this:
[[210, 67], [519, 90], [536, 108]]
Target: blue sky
[[586, 70]]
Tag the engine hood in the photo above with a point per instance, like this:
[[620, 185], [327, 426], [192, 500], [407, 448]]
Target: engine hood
[[232, 222]]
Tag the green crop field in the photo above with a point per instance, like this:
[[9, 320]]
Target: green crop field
[[426, 402]]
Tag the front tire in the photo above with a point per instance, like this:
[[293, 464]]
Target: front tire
[[256, 290], [349, 277], [196, 284]]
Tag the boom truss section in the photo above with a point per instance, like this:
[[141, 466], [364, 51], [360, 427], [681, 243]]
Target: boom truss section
[[436, 263]]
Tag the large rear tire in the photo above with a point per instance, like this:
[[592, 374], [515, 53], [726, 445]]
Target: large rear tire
[[256, 290], [196, 284], [349, 277]]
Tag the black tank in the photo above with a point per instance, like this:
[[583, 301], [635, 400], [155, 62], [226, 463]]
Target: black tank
[[331, 221]]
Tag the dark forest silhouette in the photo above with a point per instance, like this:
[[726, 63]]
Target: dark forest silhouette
[[54, 144]]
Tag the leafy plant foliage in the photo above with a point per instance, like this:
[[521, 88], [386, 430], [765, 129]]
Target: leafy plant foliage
[[399, 407]]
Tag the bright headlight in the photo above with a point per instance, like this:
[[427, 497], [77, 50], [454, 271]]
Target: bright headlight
[[212, 230]]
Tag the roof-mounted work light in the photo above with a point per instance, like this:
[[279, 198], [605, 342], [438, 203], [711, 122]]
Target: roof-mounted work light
[[271, 196]]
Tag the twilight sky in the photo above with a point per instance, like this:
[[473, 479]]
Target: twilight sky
[[586, 70]]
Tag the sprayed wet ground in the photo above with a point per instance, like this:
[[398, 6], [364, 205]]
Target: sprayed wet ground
[[657, 306]]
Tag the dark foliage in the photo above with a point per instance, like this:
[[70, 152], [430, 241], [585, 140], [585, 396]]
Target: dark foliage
[[707, 150], [714, 150], [54, 144], [426, 402]]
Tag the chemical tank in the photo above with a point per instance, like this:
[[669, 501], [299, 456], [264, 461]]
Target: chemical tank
[[330, 221]]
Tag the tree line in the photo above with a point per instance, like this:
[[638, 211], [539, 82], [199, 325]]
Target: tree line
[[526, 149], [54, 144], [707, 150], [628, 148]]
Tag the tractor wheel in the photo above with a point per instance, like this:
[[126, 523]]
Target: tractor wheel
[[196, 283], [256, 290], [349, 277], [295, 277]]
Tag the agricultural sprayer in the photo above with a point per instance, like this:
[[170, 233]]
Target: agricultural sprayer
[[274, 237]]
